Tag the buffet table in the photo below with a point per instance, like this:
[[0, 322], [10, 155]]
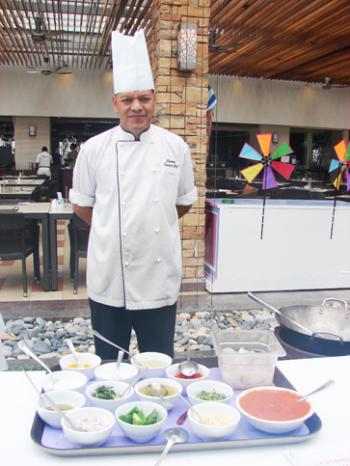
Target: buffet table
[[296, 251], [18, 403]]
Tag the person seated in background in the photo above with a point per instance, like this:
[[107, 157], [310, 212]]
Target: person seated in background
[[44, 162]]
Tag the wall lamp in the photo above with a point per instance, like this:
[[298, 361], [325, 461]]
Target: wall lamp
[[187, 47], [32, 130]]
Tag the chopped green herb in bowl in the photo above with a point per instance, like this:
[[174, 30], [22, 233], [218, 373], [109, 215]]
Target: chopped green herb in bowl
[[105, 393], [137, 417]]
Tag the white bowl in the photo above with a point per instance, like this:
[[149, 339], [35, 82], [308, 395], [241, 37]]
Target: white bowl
[[151, 364], [211, 386], [173, 370], [126, 373], [60, 397], [168, 401], [140, 433], [65, 380], [69, 363], [119, 388], [216, 412], [95, 437], [274, 421]]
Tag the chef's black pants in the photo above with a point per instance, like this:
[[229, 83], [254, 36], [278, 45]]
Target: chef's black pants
[[154, 328]]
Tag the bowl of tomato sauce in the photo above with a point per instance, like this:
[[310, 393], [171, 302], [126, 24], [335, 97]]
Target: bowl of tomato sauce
[[173, 372], [274, 410]]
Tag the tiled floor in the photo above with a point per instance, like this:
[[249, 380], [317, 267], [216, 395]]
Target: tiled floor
[[11, 275]]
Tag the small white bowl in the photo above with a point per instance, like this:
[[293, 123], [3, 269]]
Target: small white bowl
[[65, 380], [139, 433], [215, 411], [173, 371], [95, 437], [211, 386], [168, 401], [117, 386], [69, 363], [126, 373], [151, 364], [269, 396], [60, 397]]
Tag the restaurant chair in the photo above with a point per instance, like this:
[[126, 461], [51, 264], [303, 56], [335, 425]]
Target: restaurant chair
[[79, 237], [19, 238]]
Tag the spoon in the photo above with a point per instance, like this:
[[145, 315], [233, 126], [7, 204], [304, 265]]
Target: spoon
[[188, 367], [119, 360], [23, 345], [173, 435], [158, 390], [74, 352], [52, 404], [120, 348], [320, 388], [181, 419], [109, 342]]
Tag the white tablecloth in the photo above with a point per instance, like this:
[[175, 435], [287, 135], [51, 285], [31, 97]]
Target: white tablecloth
[[18, 403]]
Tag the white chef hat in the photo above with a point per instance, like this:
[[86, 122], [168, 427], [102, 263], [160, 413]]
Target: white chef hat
[[131, 65]]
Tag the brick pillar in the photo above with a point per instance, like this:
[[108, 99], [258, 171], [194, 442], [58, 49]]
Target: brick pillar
[[181, 108]]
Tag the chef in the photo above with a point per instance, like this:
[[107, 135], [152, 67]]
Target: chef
[[132, 183]]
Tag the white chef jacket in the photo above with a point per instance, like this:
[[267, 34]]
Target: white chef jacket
[[44, 159], [134, 251]]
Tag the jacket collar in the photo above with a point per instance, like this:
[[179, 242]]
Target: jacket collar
[[125, 136]]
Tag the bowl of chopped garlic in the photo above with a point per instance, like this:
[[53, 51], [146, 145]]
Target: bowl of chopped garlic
[[213, 420]]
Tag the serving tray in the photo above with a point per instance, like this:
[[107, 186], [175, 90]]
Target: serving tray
[[53, 441]]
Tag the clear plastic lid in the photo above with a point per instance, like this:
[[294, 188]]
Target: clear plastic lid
[[241, 342]]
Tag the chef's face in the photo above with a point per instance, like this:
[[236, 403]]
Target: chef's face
[[135, 110]]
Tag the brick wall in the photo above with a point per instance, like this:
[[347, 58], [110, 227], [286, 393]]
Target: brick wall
[[181, 108]]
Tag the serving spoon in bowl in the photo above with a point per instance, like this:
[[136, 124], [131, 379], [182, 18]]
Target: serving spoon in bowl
[[318, 389], [53, 405], [120, 348], [23, 345], [188, 368], [75, 353]]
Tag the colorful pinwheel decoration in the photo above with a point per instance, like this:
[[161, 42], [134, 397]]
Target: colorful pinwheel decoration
[[266, 162], [339, 169]]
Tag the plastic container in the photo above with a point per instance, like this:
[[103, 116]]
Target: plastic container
[[247, 358]]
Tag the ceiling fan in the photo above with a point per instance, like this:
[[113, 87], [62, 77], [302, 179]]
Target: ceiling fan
[[328, 84], [213, 47], [40, 34]]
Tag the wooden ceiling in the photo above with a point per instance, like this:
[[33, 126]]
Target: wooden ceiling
[[304, 40]]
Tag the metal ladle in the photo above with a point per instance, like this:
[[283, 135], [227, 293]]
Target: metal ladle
[[282, 314], [23, 345], [173, 435], [74, 352], [188, 367]]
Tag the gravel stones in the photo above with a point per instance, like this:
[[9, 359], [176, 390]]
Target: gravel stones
[[192, 332]]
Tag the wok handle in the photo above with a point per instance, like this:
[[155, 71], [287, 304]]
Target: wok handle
[[282, 314], [342, 301], [319, 335]]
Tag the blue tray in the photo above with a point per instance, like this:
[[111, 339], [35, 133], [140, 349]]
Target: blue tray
[[53, 441]]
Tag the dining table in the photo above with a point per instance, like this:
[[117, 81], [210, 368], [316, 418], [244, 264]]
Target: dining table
[[330, 446], [17, 192], [22, 181]]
